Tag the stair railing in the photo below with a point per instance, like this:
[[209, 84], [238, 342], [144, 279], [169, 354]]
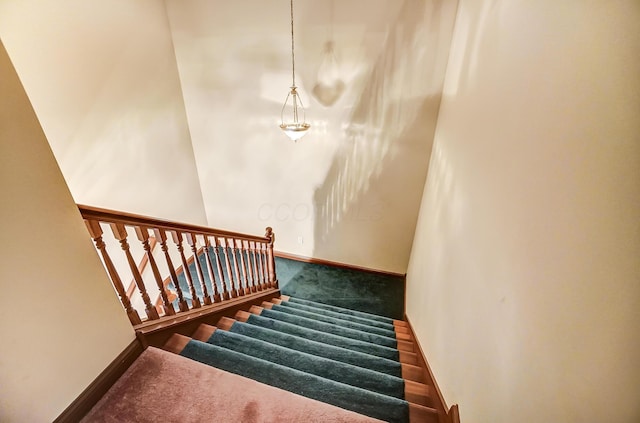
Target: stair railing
[[196, 266]]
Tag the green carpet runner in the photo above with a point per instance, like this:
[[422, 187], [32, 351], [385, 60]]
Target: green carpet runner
[[318, 351], [322, 317], [319, 366], [331, 328], [335, 393], [329, 313], [342, 310], [328, 338], [345, 355]]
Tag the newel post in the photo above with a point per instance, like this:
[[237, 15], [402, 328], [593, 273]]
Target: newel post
[[273, 281]]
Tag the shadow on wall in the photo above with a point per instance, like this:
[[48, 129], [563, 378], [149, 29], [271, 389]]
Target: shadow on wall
[[367, 207]]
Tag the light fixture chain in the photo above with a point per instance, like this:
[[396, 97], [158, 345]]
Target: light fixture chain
[[296, 129], [293, 57]]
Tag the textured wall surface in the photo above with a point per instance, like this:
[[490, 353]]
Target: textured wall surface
[[523, 284]]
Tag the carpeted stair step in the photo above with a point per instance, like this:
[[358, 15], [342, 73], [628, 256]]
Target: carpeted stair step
[[319, 366], [345, 355], [400, 327], [327, 338], [325, 327], [344, 333], [415, 389], [341, 321], [331, 357], [308, 340], [339, 309], [326, 312], [307, 307], [397, 330], [360, 400], [161, 386], [400, 333]]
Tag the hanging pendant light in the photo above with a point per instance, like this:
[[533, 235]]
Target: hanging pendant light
[[294, 127]]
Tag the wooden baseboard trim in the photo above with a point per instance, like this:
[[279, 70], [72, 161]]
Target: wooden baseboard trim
[[452, 414], [336, 264], [105, 380]]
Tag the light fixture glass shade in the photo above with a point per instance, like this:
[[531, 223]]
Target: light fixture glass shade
[[293, 126], [295, 131]]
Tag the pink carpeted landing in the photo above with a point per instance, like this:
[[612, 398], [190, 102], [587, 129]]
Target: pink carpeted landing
[[164, 387]]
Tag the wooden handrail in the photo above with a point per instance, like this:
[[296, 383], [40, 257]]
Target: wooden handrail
[[106, 215], [247, 259]]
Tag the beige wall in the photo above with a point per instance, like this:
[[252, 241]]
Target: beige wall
[[351, 188], [103, 81], [60, 321], [524, 279]]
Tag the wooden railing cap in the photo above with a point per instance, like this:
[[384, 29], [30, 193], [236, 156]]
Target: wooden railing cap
[[120, 217]]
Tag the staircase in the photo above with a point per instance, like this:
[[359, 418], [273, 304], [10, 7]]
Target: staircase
[[350, 365], [353, 360]]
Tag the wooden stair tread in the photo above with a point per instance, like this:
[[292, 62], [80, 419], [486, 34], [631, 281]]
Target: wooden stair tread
[[242, 316], [422, 414], [405, 345], [204, 332], [418, 393], [408, 358], [413, 373], [256, 310], [403, 336], [225, 323], [401, 329], [176, 343]]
